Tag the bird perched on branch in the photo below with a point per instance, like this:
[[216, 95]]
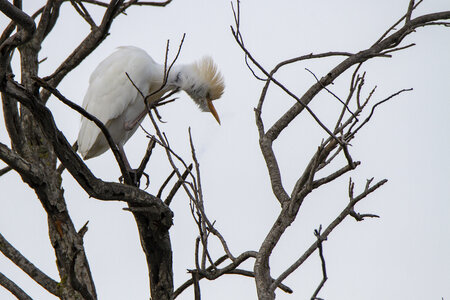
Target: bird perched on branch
[[119, 84]]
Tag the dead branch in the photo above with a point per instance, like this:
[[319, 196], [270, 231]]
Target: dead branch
[[353, 133], [19, 164], [83, 12], [8, 43], [86, 47], [30, 269], [5, 170], [177, 185], [333, 94], [322, 260], [13, 288], [323, 236]]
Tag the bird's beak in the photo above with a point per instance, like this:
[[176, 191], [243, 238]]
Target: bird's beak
[[212, 109]]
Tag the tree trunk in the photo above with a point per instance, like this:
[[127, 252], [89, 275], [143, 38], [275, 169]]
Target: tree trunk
[[71, 261], [155, 241]]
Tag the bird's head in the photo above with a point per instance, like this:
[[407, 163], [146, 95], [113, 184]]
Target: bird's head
[[204, 84]]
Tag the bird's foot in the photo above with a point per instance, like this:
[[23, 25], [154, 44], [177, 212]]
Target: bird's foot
[[135, 176]]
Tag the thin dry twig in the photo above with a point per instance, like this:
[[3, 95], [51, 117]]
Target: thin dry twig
[[238, 37], [333, 94], [209, 226], [398, 22], [83, 12], [317, 233], [352, 134], [177, 185]]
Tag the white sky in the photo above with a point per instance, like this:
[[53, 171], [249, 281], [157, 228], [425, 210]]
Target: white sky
[[402, 255]]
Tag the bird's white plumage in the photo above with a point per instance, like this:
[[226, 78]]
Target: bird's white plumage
[[116, 99], [113, 99]]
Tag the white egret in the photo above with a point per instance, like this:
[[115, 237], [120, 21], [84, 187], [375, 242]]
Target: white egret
[[114, 98]]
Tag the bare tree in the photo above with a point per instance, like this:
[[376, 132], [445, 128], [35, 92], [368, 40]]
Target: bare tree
[[36, 146], [335, 144]]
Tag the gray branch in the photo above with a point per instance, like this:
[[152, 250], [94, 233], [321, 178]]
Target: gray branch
[[37, 275], [13, 288]]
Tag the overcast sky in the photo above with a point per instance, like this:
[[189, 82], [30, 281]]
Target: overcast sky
[[402, 255]]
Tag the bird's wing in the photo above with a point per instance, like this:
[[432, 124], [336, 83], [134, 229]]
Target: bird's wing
[[111, 93]]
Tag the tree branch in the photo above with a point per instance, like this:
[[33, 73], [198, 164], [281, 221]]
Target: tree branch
[[322, 260], [10, 42], [13, 288], [387, 43], [83, 12], [37, 275], [28, 171], [323, 236], [212, 272], [18, 16], [86, 47], [5, 170]]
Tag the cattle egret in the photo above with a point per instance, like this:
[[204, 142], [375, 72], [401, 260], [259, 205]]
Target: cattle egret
[[116, 99]]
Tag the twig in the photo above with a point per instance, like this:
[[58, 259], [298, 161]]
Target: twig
[[169, 151], [409, 11], [246, 273], [195, 280], [83, 12], [395, 24], [398, 49], [212, 272], [333, 94], [238, 38], [357, 216], [375, 106], [5, 170], [237, 18], [353, 85], [96, 2], [166, 69], [322, 259], [144, 3], [201, 207], [162, 187], [317, 183], [177, 185], [83, 229], [196, 253]]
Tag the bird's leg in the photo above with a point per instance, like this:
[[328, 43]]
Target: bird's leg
[[130, 125], [135, 174], [124, 158], [131, 172]]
